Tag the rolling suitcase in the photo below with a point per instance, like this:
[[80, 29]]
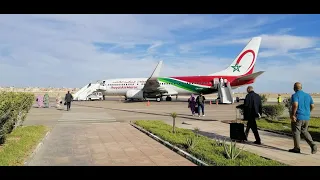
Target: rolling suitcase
[[237, 130]]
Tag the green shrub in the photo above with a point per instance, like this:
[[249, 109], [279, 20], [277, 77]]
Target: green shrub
[[287, 104], [174, 116], [264, 98], [232, 152], [13, 110], [273, 111]]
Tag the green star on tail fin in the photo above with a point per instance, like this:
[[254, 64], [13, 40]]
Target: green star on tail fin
[[236, 67]]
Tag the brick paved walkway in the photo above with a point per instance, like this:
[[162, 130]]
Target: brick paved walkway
[[76, 142], [274, 146]]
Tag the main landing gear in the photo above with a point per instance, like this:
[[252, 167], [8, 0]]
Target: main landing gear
[[168, 98]]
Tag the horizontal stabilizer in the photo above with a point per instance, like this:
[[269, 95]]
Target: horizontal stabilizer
[[249, 77]]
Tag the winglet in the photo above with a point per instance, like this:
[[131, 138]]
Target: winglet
[[156, 71]]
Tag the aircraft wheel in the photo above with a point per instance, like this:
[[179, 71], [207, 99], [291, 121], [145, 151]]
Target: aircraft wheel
[[158, 99], [168, 98]]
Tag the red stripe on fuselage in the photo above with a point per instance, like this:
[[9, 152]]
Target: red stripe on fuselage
[[207, 80]]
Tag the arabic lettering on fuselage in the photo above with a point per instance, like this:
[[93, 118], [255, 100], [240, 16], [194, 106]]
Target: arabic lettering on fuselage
[[124, 87]]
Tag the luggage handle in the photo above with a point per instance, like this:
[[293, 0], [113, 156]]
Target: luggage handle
[[236, 115]]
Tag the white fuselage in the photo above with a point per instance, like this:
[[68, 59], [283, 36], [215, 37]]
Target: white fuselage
[[119, 87]]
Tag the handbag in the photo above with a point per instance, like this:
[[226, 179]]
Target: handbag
[[65, 103]]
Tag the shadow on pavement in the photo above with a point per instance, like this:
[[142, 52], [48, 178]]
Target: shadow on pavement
[[221, 138], [150, 113]]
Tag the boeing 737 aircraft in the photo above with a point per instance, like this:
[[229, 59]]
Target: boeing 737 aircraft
[[239, 73]]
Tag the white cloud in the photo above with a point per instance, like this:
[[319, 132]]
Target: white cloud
[[155, 45], [278, 45], [284, 30], [59, 50], [281, 76], [285, 43], [185, 48]]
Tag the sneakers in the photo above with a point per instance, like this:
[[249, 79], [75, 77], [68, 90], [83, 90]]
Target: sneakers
[[203, 115], [314, 149], [294, 150]]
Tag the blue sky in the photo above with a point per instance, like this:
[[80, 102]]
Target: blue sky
[[71, 50]]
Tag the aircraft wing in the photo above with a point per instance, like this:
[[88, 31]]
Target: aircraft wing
[[152, 84], [249, 77]]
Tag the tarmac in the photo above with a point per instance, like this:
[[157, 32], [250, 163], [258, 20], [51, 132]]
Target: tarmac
[[98, 133]]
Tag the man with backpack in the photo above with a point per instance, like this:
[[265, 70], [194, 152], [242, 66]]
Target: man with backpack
[[200, 101]]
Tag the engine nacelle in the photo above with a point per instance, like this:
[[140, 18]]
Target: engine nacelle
[[134, 94]]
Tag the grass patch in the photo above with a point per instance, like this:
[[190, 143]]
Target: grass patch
[[20, 144], [204, 148], [284, 126]]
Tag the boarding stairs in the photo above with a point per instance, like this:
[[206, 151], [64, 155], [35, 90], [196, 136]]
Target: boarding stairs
[[225, 93], [87, 90]]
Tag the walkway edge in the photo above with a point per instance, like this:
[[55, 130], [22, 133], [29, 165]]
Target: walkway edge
[[174, 148], [37, 148]]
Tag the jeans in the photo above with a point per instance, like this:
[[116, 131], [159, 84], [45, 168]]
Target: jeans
[[202, 108]]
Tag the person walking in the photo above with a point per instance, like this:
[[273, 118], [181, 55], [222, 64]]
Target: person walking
[[40, 101], [58, 101], [252, 110], [279, 98], [68, 98], [302, 105], [200, 101], [192, 104], [46, 100], [225, 82], [221, 82]]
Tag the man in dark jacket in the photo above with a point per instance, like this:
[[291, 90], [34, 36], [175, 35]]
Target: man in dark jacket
[[68, 100], [252, 110]]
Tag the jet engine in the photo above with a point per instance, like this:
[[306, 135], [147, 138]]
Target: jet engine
[[134, 94]]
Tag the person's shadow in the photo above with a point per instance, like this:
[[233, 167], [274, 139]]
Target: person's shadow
[[221, 138]]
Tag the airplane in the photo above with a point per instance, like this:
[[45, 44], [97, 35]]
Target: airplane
[[238, 74]]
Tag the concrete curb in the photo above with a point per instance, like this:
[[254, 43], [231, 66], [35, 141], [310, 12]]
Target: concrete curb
[[172, 147], [36, 149]]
